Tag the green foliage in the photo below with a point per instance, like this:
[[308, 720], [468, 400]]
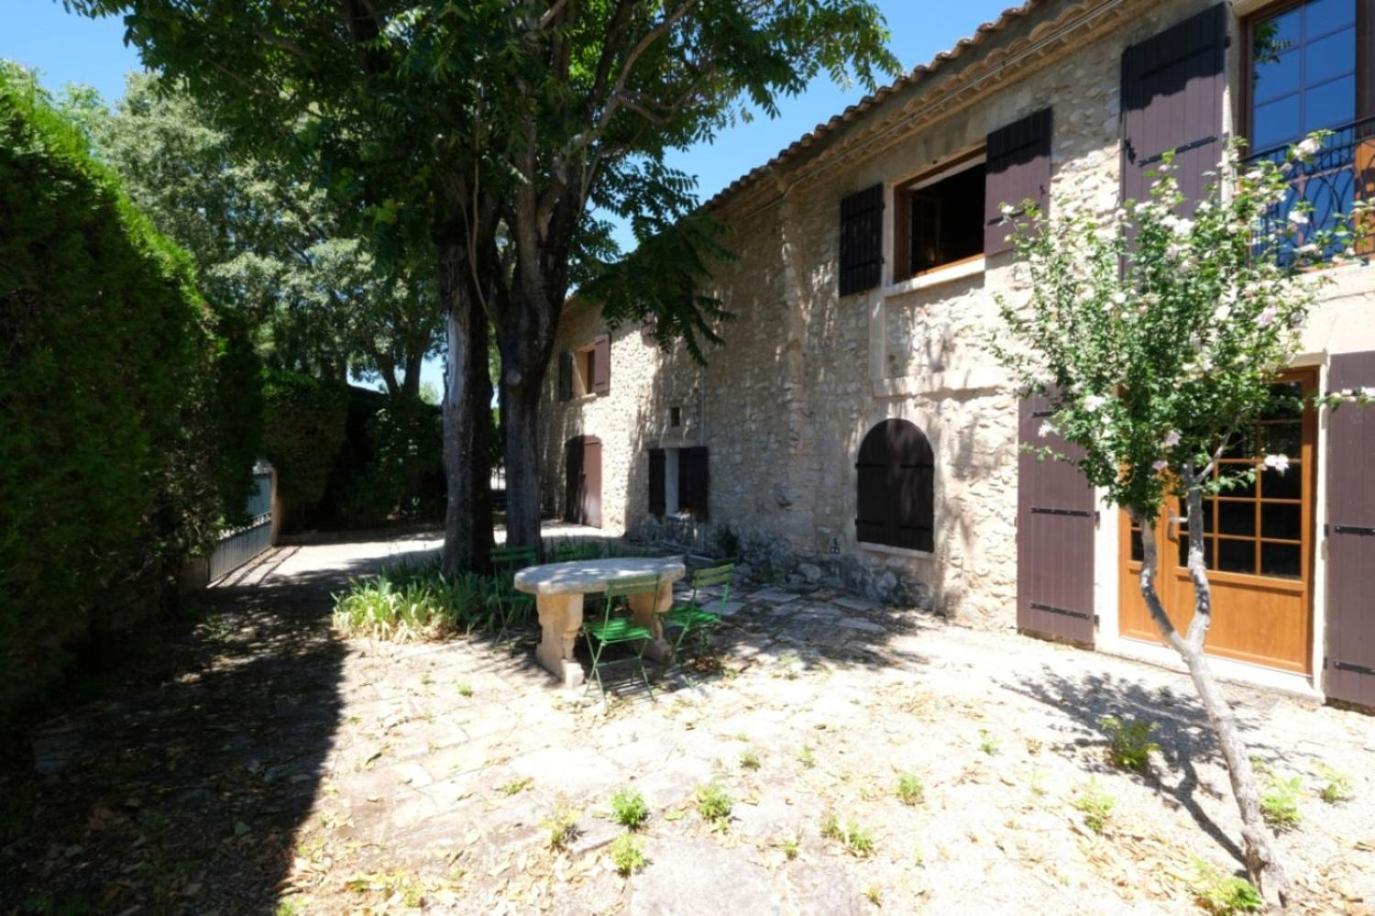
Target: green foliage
[[1336, 785], [830, 826], [714, 805], [1279, 801], [806, 756], [628, 808], [116, 458], [405, 437], [1129, 742], [856, 839], [1223, 894], [627, 855], [987, 742], [789, 845], [418, 601], [562, 827], [749, 759], [303, 430], [910, 790], [1095, 804]]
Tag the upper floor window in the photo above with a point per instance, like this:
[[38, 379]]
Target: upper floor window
[[586, 370], [939, 219]]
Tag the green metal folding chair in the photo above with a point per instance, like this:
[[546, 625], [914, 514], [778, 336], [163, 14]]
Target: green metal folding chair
[[512, 606], [617, 626], [697, 617]]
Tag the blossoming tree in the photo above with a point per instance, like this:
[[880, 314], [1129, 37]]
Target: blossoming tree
[[1157, 334]]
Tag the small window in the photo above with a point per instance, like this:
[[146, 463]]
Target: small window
[[678, 482], [940, 220], [675, 416], [895, 504]]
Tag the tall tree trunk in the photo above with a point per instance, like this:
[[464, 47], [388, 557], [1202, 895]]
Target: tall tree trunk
[[1262, 863], [520, 397], [410, 380], [467, 420]]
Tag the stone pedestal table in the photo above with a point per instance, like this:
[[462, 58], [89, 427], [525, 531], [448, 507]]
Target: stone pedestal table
[[559, 589]]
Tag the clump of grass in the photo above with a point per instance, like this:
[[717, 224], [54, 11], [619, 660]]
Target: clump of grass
[[627, 855], [1095, 804], [987, 743], [464, 689], [1279, 801], [806, 757], [789, 844], [830, 826], [563, 827], [911, 790], [856, 840], [1223, 894], [414, 601], [517, 786], [628, 808], [713, 804], [874, 895], [1129, 742], [1336, 786], [749, 759]]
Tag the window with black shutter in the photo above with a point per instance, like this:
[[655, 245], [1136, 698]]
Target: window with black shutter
[[692, 482], [861, 240], [657, 482], [895, 504], [939, 218], [1018, 170]]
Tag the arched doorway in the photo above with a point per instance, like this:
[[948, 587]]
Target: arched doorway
[[582, 491]]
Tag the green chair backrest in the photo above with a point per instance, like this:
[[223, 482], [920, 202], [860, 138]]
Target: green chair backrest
[[631, 585], [513, 558], [714, 575]]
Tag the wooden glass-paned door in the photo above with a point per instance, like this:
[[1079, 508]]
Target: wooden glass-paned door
[[1257, 545]]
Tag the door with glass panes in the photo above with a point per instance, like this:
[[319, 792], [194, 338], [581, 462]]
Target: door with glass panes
[[1258, 544]]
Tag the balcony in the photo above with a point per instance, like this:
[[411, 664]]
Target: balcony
[[1330, 182]]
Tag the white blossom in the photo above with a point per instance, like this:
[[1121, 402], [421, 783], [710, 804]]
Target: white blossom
[[1047, 429], [1310, 146], [1277, 462], [1267, 316], [1298, 217], [1171, 440], [1159, 465], [1093, 402]]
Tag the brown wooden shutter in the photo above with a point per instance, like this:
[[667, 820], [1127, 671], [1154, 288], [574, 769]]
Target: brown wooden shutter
[[693, 481], [1172, 87], [1055, 527], [601, 365], [1349, 662], [592, 481], [656, 482], [1018, 169], [861, 240], [565, 375]]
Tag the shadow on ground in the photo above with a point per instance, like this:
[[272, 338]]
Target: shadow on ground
[[175, 779]]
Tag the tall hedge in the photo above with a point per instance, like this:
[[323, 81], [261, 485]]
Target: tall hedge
[[127, 424]]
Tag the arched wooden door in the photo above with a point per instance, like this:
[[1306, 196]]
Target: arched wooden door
[[582, 499]]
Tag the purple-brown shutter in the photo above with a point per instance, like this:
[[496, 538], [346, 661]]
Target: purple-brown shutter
[[1349, 662], [1055, 527], [592, 481], [601, 365], [656, 482], [1018, 170], [1172, 85], [861, 240], [565, 375]]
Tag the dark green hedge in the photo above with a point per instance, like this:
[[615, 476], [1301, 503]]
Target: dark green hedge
[[127, 425], [303, 430]]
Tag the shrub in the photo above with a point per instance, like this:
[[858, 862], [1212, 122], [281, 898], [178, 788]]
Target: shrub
[[1095, 804], [627, 855], [303, 430], [415, 601], [1223, 894], [629, 808], [1129, 742], [115, 461]]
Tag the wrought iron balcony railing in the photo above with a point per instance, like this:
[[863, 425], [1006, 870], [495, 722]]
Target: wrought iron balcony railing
[[1330, 182]]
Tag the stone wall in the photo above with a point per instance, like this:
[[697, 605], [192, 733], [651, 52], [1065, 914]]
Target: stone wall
[[804, 374]]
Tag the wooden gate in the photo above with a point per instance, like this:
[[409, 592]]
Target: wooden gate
[[582, 500], [1055, 527], [1349, 663]]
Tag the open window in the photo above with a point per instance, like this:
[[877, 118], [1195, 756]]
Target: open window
[[678, 482], [939, 218], [586, 370]]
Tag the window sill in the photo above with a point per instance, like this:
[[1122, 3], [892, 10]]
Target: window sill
[[948, 273], [896, 551]]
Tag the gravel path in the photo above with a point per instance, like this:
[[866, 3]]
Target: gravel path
[[265, 762]]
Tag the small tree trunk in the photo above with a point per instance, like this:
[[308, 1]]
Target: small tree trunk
[[467, 422], [410, 381], [1262, 864]]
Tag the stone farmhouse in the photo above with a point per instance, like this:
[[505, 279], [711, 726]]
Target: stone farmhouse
[[854, 430]]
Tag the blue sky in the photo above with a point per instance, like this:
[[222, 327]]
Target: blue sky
[[68, 48]]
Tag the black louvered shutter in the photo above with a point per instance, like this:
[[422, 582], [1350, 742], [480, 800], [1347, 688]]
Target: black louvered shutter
[[1018, 170], [1172, 85], [1056, 519], [656, 482], [861, 240], [565, 375], [1349, 663], [601, 365]]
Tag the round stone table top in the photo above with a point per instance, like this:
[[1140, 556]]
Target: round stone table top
[[588, 576]]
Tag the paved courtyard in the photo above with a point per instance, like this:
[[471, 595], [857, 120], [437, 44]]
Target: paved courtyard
[[269, 764]]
